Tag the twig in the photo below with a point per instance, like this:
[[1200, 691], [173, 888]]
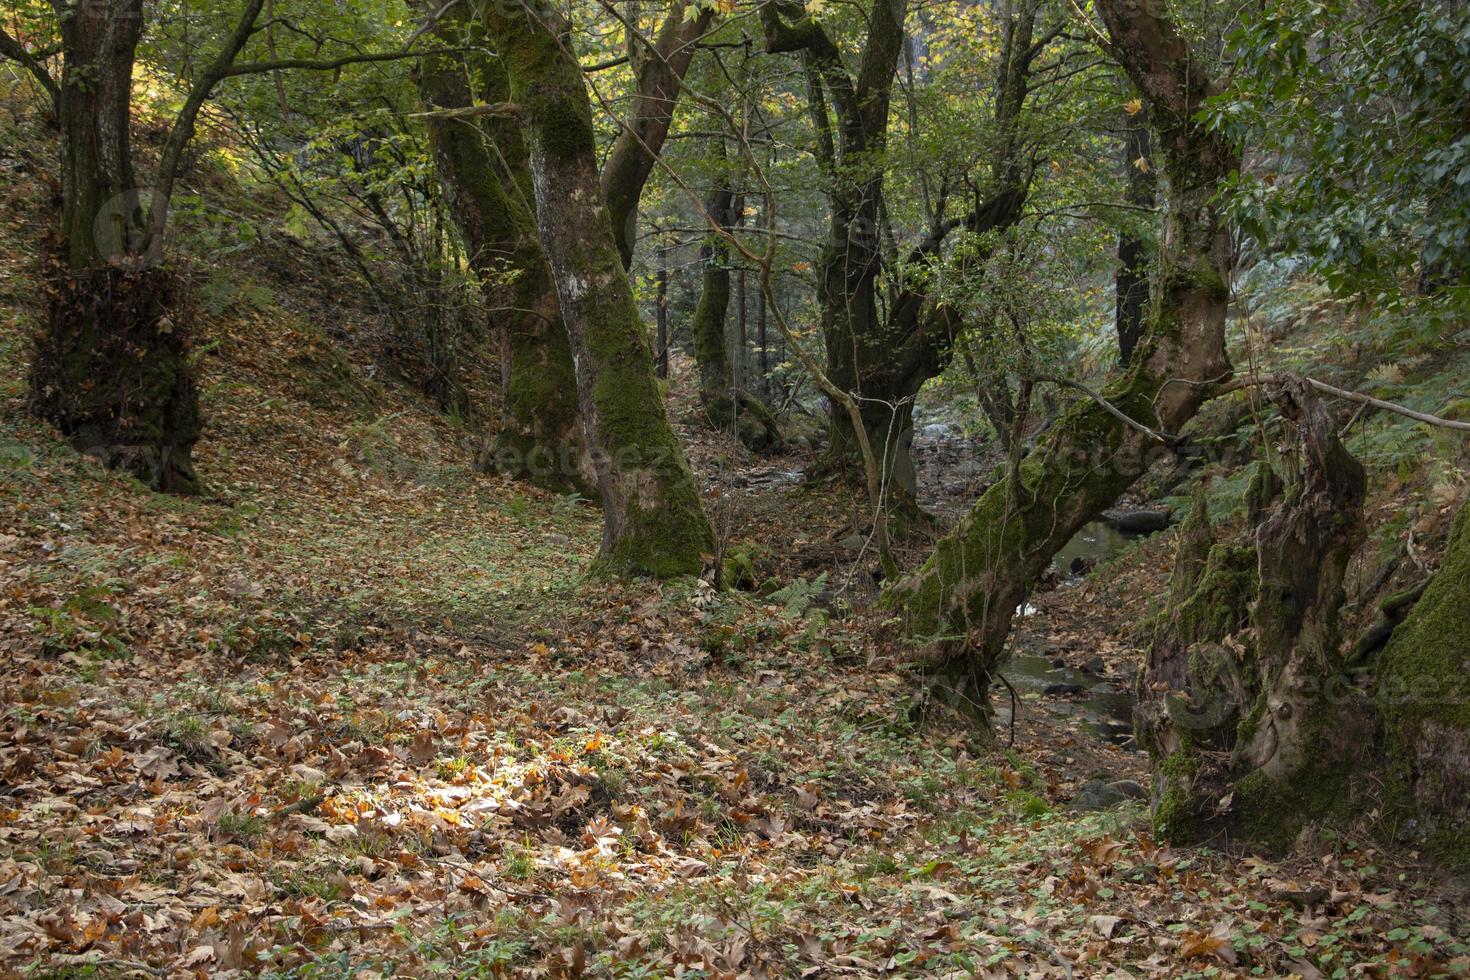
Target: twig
[[304, 805], [1011, 740]]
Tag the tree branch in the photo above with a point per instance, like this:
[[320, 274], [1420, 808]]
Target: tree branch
[[182, 130], [306, 64], [15, 51], [468, 112]]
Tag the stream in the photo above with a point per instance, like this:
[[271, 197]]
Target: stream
[[1104, 708]]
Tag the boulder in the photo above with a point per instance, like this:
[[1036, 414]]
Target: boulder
[[1138, 521]]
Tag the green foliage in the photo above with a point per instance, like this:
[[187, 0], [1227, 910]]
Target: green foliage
[[1361, 107], [798, 597]]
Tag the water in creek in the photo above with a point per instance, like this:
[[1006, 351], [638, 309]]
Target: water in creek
[[1104, 708], [1094, 543]]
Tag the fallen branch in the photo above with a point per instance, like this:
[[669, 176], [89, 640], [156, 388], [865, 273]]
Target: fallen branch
[[304, 805], [1352, 396]]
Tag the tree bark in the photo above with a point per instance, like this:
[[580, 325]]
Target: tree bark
[[652, 521], [111, 367], [1249, 710], [661, 356], [1133, 249], [483, 166], [965, 596], [1424, 702], [656, 95]]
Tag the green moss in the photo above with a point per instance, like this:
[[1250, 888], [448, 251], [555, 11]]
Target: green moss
[[1424, 701], [566, 124], [1271, 815], [1220, 603], [1177, 812]]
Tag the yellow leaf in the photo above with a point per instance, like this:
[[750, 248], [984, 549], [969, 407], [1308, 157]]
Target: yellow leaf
[[1142, 164], [1133, 106]]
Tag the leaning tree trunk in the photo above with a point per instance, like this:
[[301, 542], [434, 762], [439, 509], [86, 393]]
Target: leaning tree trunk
[[1250, 711], [634, 153], [963, 599], [111, 367], [483, 166], [652, 521]]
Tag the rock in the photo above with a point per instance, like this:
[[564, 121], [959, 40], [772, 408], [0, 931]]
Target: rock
[[1137, 521], [938, 430], [969, 467], [1095, 666], [1055, 690], [558, 540], [853, 542], [1097, 795], [1130, 788]]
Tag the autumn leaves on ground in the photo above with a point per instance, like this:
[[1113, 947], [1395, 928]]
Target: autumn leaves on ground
[[357, 711]]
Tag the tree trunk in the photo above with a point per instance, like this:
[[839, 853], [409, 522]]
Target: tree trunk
[[760, 334], [655, 97], [726, 406], [652, 521], [483, 166], [661, 356], [1247, 706], [965, 596], [1133, 249], [710, 353], [1424, 703], [111, 367]]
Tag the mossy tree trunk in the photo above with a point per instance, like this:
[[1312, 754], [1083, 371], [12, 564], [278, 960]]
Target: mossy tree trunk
[[884, 335], [111, 367], [1424, 702], [716, 380], [1255, 731], [1134, 248], [485, 172], [964, 598], [652, 520]]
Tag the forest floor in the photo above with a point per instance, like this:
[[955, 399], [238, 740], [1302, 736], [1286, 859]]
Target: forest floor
[[357, 712]]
